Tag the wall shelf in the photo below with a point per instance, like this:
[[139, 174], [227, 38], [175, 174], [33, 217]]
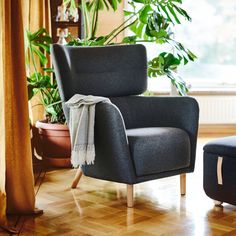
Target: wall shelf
[[74, 28]]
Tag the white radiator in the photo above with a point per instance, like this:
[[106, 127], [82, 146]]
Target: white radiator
[[217, 109]]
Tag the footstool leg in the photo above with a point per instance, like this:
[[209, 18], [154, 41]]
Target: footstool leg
[[183, 184]]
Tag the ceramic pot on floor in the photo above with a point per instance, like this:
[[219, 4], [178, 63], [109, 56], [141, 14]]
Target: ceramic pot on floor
[[54, 141]]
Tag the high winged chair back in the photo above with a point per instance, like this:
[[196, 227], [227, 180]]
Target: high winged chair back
[[100, 71], [137, 138]]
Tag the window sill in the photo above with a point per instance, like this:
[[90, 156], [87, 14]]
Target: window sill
[[203, 92]]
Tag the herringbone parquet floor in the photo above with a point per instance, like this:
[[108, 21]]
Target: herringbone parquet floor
[[99, 208]]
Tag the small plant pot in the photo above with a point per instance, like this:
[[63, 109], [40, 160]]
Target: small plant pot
[[54, 142]]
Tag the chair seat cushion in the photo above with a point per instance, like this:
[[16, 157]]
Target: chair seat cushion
[[156, 150], [223, 146]]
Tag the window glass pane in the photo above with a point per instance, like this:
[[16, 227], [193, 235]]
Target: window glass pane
[[212, 37]]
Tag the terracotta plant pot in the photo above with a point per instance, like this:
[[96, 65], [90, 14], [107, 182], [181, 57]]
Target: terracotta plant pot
[[54, 142]]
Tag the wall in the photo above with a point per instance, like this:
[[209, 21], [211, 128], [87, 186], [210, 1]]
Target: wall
[[108, 20]]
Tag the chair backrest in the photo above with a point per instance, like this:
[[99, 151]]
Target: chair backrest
[[110, 71]]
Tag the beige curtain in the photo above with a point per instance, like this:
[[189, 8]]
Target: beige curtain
[[16, 175]]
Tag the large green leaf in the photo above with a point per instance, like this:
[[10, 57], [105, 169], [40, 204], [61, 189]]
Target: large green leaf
[[157, 28], [166, 64], [178, 82], [182, 12], [129, 39], [144, 14], [171, 10], [128, 13], [31, 92], [139, 1], [36, 44], [51, 110]]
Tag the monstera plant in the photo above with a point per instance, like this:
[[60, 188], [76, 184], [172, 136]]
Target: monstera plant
[[51, 138], [39, 78], [150, 21]]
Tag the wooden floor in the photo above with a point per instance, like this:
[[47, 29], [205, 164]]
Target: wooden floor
[[99, 208]]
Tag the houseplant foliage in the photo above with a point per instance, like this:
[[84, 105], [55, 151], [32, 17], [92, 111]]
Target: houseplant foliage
[[51, 138], [149, 21], [40, 80]]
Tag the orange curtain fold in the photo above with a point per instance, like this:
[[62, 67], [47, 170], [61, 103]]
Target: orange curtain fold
[[16, 175], [19, 174], [3, 222]]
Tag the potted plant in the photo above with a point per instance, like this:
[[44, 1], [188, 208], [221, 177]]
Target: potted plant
[[53, 133]]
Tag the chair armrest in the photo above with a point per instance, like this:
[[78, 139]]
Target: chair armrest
[[178, 112], [112, 161]]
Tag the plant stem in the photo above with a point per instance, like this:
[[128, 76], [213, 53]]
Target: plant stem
[[127, 26], [35, 68], [34, 62], [55, 103], [46, 93], [121, 25], [140, 41], [145, 41], [96, 24], [86, 19], [94, 18]]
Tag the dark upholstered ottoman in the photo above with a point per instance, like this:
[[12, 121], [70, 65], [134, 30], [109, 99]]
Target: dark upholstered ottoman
[[219, 178]]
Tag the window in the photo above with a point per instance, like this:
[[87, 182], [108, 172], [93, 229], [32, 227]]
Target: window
[[212, 37]]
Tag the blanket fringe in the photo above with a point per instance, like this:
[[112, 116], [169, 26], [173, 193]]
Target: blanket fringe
[[82, 155]]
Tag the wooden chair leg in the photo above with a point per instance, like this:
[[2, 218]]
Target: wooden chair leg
[[183, 184], [130, 195], [218, 203], [77, 177]]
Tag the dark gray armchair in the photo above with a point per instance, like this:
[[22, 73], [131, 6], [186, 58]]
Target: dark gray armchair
[[137, 138]]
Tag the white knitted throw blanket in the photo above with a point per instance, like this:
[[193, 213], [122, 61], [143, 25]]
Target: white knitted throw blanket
[[81, 126]]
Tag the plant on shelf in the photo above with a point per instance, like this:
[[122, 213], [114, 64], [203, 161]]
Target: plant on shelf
[[40, 80], [150, 21]]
